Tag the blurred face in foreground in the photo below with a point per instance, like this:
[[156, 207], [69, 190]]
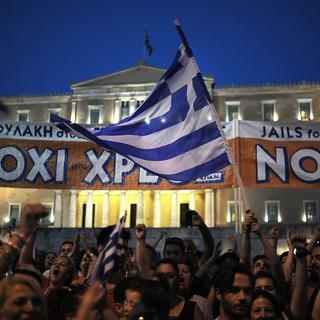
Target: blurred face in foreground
[[22, 303]]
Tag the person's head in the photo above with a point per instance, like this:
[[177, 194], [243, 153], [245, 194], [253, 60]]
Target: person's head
[[86, 260], [169, 269], [62, 271], [48, 259], [233, 290], [186, 277], [66, 248], [21, 298], [190, 250], [265, 281], [260, 263], [174, 249], [228, 258], [316, 257], [264, 306]]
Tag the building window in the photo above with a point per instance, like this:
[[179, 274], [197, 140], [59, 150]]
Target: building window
[[139, 103], [310, 210], [94, 115], [124, 111], [232, 108], [54, 111], [269, 111], [23, 115], [14, 214], [49, 219], [231, 214], [272, 211], [305, 109]]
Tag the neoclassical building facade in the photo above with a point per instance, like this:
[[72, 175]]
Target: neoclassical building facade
[[106, 100]]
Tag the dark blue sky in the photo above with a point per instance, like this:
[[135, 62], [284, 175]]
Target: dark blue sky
[[44, 45]]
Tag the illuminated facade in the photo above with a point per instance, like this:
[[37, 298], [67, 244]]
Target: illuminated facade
[[106, 100]]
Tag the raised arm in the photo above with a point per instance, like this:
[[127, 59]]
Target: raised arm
[[245, 242], [287, 266], [10, 250], [143, 260], [314, 239], [26, 252], [299, 298], [274, 260], [208, 241], [274, 233]]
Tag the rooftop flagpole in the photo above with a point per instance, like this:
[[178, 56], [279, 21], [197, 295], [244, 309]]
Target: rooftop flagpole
[[231, 157]]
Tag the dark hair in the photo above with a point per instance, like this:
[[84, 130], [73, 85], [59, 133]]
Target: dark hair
[[174, 240], [169, 261], [227, 258], [266, 274], [266, 295], [65, 242], [224, 277], [259, 257]]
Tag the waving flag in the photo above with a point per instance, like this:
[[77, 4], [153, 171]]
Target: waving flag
[[175, 133], [147, 42], [107, 258]]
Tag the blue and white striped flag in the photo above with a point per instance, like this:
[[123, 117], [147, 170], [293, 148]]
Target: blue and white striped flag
[[175, 133], [108, 257]]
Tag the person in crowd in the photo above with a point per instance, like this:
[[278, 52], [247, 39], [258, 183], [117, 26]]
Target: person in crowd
[[62, 272], [21, 298], [233, 286], [188, 287], [264, 306], [180, 308]]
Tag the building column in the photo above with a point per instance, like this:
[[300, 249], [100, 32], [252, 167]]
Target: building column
[[174, 209], [89, 209], [117, 109], [140, 213], [105, 210], [208, 212], [58, 209], [192, 200], [132, 106], [73, 208], [156, 209], [73, 110]]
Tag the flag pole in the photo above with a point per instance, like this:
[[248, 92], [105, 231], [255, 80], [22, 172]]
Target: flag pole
[[144, 47], [230, 155]]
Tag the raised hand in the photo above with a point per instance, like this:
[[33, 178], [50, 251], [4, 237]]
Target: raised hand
[[298, 241], [30, 217]]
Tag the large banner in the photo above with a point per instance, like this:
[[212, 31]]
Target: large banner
[[269, 155], [279, 155], [38, 155]]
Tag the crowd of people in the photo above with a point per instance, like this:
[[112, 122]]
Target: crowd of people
[[179, 283]]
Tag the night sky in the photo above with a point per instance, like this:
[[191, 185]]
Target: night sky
[[46, 44]]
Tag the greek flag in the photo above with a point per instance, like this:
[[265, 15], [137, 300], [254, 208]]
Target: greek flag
[[107, 258], [175, 133], [147, 42]]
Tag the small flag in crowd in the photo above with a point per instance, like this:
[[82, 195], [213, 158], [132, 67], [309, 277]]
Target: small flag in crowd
[[147, 43], [108, 257], [175, 133]]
